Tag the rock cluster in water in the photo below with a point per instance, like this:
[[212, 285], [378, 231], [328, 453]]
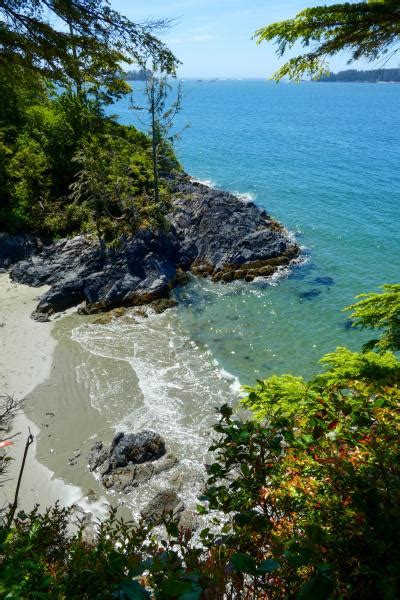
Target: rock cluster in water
[[210, 233], [130, 460], [133, 459]]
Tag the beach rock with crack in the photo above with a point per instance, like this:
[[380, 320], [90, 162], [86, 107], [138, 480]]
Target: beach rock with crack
[[130, 460], [209, 232], [81, 269]]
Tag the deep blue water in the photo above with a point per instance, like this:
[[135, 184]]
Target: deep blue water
[[324, 159]]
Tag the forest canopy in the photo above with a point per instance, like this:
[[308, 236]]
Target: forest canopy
[[370, 76], [66, 166]]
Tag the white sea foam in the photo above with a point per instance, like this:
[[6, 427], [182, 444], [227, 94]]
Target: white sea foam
[[245, 196], [175, 387], [207, 182]]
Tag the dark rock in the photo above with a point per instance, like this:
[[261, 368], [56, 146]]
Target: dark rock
[[98, 454], [124, 479], [136, 448], [348, 324], [211, 232], [14, 248], [219, 232], [130, 460], [164, 505], [310, 294], [328, 281]]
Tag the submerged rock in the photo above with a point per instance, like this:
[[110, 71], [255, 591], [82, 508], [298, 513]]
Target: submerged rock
[[130, 460], [164, 505], [310, 294], [210, 232], [326, 280]]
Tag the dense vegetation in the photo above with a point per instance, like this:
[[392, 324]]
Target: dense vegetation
[[66, 167], [309, 489], [370, 76], [140, 75]]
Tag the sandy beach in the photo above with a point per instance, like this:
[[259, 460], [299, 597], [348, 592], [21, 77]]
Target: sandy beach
[[26, 359], [85, 378]]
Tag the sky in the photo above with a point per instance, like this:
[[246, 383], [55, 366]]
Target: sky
[[212, 38]]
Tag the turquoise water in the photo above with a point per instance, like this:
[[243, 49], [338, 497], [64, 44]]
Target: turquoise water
[[324, 160]]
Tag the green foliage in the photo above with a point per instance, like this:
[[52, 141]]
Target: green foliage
[[67, 168], [288, 389], [161, 112], [115, 182], [29, 180], [380, 311], [316, 484], [60, 64], [313, 482], [364, 30], [42, 558], [81, 43], [370, 76]]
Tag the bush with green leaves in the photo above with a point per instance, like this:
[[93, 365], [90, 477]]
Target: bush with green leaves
[[313, 481]]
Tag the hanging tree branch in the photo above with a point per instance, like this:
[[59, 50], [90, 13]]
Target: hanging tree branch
[[364, 30]]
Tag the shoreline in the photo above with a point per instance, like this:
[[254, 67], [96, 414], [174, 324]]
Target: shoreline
[[26, 360]]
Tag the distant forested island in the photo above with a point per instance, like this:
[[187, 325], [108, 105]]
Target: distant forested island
[[373, 76], [140, 75]]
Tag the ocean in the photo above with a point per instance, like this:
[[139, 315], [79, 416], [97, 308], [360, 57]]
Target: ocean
[[322, 158]]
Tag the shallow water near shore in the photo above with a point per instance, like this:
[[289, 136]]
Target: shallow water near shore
[[323, 159], [131, 374]]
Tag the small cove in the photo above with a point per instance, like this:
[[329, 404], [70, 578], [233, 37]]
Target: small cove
[[322, 159]]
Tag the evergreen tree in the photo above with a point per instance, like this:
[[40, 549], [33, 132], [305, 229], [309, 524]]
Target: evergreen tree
[[367, 30]]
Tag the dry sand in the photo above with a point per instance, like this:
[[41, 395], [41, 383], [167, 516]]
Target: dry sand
[[26, 360]]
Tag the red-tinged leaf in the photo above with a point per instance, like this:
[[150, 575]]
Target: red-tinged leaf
[[333, 425]]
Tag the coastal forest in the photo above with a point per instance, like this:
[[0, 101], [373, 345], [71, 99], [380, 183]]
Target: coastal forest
[[370, 76], [303, 493]]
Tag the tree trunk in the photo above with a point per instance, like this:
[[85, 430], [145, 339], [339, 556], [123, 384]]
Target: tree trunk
[[154, 130]]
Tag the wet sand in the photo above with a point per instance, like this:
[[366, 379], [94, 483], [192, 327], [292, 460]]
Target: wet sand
[[26, 360], [84, 378]]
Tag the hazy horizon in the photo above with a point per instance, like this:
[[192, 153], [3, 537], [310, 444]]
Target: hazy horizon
[[212, 38]]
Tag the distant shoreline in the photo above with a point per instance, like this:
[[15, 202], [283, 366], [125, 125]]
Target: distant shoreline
[[369, 76]]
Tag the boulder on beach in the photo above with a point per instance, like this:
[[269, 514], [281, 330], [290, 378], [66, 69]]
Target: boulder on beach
[[130, 460], [165, 504]]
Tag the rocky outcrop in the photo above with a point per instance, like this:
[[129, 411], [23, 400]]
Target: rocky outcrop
[[80, 270], [14, 248], [210, 232], [130, 460], [225, 237]]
